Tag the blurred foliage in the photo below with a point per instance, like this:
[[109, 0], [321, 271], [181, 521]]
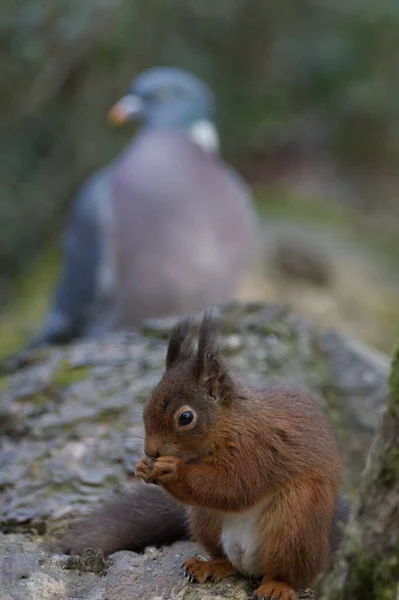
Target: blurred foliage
[[344, 221], [322, 73], [270, 63], [21, 317]]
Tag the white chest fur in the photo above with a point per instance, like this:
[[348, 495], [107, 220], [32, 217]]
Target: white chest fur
[[240, 540]]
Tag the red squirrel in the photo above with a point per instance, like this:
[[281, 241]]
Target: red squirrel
[[256, 471]]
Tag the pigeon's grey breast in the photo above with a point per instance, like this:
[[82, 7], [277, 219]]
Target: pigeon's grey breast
[[183, 227]]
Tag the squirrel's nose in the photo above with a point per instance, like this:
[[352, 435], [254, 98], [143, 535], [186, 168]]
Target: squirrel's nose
[[152, 447], [153, 455]]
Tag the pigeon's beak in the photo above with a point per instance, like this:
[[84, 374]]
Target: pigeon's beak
[[128, 108]]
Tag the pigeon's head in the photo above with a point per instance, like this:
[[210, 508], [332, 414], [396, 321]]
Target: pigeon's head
[[169, 98]]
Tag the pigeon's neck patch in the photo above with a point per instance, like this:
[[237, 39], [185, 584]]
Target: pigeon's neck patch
[[205, 134]]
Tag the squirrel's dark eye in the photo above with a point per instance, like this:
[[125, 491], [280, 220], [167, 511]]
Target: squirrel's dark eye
[[186, 418]]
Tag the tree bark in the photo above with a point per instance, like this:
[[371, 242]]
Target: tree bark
[[367, 567]]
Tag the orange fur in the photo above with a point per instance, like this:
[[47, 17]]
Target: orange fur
[[258, 469]]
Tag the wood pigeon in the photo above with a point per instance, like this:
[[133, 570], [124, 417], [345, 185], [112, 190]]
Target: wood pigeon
[[165, 228]]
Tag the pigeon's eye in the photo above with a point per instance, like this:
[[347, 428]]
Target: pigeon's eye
[[186, 418]]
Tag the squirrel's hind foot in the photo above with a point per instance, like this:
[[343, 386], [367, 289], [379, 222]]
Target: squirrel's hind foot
[[274, 590], [199, 571]]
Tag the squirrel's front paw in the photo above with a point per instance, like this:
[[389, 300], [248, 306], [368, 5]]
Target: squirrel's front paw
[[166, 469], [144, 469]]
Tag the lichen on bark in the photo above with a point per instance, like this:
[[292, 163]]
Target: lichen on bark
[[368, 564]]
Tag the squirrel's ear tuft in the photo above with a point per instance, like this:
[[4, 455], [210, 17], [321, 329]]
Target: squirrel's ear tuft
[[180, 345], [210, 369]]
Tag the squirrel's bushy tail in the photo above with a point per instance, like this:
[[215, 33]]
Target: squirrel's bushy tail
[[146, 515], [143, 516]]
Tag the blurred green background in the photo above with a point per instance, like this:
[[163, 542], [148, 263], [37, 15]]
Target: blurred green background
[[308, 96]]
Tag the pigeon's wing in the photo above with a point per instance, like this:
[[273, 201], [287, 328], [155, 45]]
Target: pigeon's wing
[[77, 287]]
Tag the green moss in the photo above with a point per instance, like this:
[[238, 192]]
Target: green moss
[[390, 460], [393, 402], [390, 467], [68, 375], [42, 397], [369, 579]]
